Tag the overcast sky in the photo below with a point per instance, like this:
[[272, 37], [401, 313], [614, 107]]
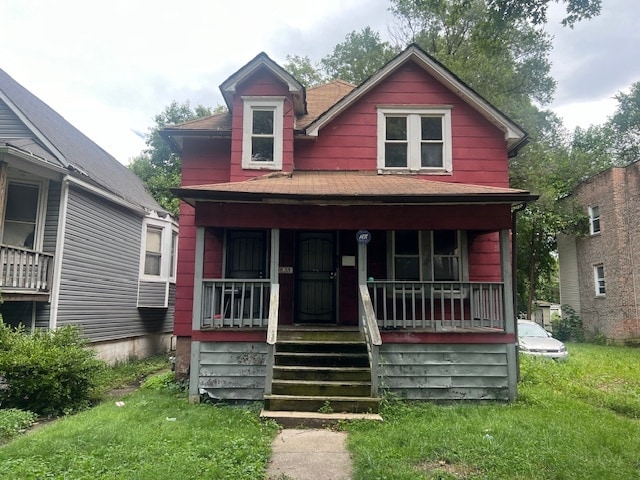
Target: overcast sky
[[109, 66]]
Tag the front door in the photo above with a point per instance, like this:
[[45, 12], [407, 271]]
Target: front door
[[316, 278]]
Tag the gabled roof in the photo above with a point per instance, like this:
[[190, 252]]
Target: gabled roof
[[351, 187], [262, 60], [515, 136], [59, 143]]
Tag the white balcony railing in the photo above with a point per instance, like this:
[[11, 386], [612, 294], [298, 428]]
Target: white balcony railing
[[438, 305], [235, 303], [25, 271]]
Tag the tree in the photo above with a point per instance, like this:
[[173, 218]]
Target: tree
[[535, 11], [358, 57], [157, 166], [304, 71], [625, 122]]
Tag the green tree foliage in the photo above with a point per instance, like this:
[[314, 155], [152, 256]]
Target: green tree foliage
[[157, 166], [625, 124], [305, 71], [358, 57], [535, 11]]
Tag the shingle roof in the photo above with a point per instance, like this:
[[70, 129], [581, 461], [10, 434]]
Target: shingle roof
[[72, 148], [321, 98], [352, 187]]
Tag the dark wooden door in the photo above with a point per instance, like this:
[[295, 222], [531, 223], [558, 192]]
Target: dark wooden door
[[316, 278]]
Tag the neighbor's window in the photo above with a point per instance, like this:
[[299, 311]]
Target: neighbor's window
[[21, 214], [262, 133], [415, 140], [427, 255], [598, 276], [594, 220], [153, 251], [174, 252]]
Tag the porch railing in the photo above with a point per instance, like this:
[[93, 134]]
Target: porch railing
[[369, 328], [23, 270], [438, 305], [235, 303]]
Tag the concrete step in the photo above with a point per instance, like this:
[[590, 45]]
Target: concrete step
[[294, 419], [336, 404], [336, 346], [352, 374], [312, 388], [323, 359]]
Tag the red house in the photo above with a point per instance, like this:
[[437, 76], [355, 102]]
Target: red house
[[338, 240]]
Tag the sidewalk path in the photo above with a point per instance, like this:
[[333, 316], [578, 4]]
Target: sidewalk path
[[310, 455]]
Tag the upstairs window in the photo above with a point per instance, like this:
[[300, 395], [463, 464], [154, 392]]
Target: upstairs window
[[21, 216], [262, 133], [414, 139], [594, 220], [153, 252]]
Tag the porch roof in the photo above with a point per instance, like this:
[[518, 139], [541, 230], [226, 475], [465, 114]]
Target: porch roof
[[350, 187]]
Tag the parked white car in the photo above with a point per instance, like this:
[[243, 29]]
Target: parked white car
[[535, 340]]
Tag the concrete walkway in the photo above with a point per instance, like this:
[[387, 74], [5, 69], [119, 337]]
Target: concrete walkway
[[309, 455]]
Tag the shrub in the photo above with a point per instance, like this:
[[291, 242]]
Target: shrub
[[569, 327], [46, 372], [14, 421]]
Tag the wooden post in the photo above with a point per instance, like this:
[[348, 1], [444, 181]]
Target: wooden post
[[509, 313], [196, 320], [3, 195]]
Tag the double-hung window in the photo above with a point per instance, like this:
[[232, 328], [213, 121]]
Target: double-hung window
[[427, 255], [262, 133], [153, 251], [594, 220], [414, 139], [598, 278], [24, 208]]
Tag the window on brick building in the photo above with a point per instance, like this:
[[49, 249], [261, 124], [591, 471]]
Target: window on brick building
[[594, 220], [598, 277]]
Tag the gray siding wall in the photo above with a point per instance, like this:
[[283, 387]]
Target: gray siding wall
[[232, 370], [100, 271], [445, 372], [10, 125], [152, 294]]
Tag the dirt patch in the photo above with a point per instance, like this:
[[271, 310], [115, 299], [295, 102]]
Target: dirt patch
[[444, 467]]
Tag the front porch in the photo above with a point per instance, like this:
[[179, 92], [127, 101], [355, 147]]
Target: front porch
[[25, 274]]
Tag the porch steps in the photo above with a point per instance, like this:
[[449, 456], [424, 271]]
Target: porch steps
[[320, 370]]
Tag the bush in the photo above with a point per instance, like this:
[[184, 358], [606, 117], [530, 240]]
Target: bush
[[46, 372], [569, 327]]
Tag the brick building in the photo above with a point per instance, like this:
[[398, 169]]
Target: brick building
[[600, 271]]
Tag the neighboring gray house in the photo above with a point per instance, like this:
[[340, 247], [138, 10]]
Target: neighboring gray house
[[81, 241], [600, 271]]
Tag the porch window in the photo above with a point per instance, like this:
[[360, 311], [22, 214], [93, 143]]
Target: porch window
[[598, 276], [21, 215], [594, 220], [246, 256], [414, 139], [427, 255], [262, 133]]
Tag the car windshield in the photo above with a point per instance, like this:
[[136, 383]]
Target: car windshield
[[531, 330]]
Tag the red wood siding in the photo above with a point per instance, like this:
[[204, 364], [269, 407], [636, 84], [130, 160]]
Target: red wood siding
[[453, 217], [349, 142], [185, 272], [484, 257]]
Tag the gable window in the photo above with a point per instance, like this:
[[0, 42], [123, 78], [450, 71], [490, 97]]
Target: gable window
[[598, 277], [414, 139], [427, 255], [262, 133], [594, 220]]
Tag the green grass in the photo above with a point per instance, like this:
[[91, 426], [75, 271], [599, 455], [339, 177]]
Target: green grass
[[157, 433], [574, 420], [578, 419]]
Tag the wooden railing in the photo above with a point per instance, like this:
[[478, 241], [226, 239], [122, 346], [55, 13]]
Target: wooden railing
[[438, 305], [24, 270], [235, 303], [369, 328]]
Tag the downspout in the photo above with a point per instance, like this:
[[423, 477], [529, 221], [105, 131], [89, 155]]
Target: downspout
[[57, 263]]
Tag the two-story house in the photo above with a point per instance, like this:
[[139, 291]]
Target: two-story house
[[338, 240], [600, 271], [81, 241]]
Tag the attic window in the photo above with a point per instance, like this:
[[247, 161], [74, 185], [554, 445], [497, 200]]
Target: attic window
[[414, 139], [262, 133]]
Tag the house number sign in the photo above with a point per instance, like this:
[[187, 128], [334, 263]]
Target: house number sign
[[363, 236]]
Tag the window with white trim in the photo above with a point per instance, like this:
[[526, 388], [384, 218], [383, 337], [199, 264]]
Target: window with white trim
[[417, 139], [594, 220], [262, 133], [153, 251], [24, 214], [598, 278], [427, 255], [159, 255]]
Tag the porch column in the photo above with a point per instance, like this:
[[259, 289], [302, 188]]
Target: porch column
[[3, 192], [197, 280], [275, 255], [509, 313]]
